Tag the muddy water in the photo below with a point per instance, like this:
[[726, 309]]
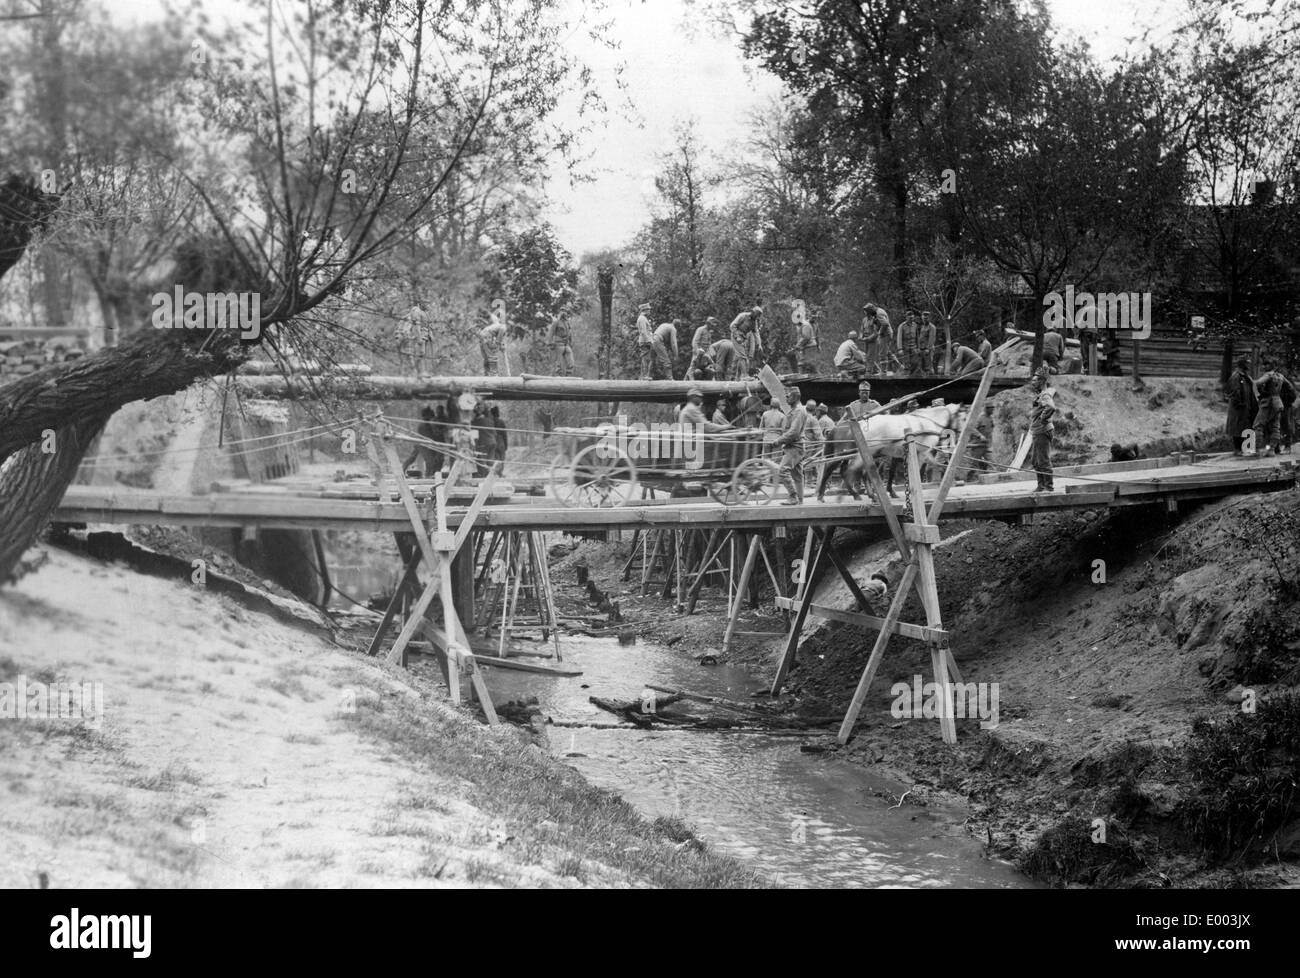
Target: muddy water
[[805, 820]]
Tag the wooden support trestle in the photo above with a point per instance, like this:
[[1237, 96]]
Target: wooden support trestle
[[915, 542]]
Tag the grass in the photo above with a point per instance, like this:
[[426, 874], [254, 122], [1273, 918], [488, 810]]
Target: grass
[[548, 808], [1244, 776]]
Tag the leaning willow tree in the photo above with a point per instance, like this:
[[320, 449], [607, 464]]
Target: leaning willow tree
[[313, 139]]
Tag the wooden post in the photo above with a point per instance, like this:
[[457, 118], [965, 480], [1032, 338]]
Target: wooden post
[[878, 651], [801, 616], [741, 587], [928, 589]]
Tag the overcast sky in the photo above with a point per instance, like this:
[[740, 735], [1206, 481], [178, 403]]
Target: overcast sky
[[678, 68]]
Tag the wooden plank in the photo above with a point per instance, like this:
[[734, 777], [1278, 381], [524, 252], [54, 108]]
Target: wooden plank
[[805, 602], [955, 459], [921, 533], [878, 651], [883, 499], [922, 633], [741, 588]]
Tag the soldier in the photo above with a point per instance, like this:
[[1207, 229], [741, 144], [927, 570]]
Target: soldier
[[1053, 349], [791, 444], [746, 339], [888, 354], [772, 422], [849, 360], [871, 338], [928, 341], [645, 339], [965, 360], [908, 340], [985, 348], [1242, 404], [491, 342], [1273, 391], [1041, 412], [865, 404], [825, 421], [724, 411], [560, 339], [805, 342], [665, 349], [692, 413], [703, 338], [980, 442], [723, 355], [814, 439]]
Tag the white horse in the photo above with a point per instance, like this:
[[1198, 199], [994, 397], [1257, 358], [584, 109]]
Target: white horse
[[888, 435]]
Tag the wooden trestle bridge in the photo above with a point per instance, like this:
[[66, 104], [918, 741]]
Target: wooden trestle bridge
[[481, 548]]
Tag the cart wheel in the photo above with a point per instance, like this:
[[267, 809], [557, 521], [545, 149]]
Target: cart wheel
[[757, 480], [599, 476]]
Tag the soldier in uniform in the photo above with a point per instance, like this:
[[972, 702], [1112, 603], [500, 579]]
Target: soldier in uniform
[[791, 443], [1242, 404], [645, 339], [1273, 390], [909, 340], [560, 339], [1041, 412], [928, 344], [865, 404], [492, 340], [850, 361]]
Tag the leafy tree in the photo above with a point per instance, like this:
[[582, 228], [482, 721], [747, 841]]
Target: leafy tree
[[535, 276]]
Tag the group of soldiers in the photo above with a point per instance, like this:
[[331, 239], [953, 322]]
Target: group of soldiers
[[797, 436], [911, 349], [1262, 409], [739, 353]]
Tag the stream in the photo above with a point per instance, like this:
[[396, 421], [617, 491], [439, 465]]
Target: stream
[[803, 820]]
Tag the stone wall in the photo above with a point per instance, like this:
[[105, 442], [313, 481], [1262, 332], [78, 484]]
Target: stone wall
[[21, 357]]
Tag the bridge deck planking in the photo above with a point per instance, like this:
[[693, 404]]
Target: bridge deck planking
[[1215, 477]]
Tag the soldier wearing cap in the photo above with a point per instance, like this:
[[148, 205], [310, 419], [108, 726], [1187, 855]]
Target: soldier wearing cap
[[692, 412], [825, 421], [965, 360], [929, 337], [865, 404], [791, 444]]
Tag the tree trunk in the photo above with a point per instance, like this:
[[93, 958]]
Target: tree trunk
[[32, 482], [150, 363]]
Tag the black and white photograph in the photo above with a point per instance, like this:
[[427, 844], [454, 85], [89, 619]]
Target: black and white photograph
[[651, 444]]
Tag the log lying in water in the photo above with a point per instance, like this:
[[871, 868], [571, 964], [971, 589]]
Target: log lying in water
[[752, 719]]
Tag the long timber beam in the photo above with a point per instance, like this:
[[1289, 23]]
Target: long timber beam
[[93, 504]]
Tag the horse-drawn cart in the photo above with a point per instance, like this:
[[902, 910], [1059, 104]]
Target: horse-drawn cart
[[616, 464]]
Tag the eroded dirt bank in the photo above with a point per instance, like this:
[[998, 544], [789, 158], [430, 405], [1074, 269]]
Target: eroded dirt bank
[[235, 750], [1126, 752]]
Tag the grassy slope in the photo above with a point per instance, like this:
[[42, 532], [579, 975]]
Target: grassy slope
[[239, 751]]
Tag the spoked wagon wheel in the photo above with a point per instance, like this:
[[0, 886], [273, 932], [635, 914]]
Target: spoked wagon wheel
[[757, 480], [600, 475]]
